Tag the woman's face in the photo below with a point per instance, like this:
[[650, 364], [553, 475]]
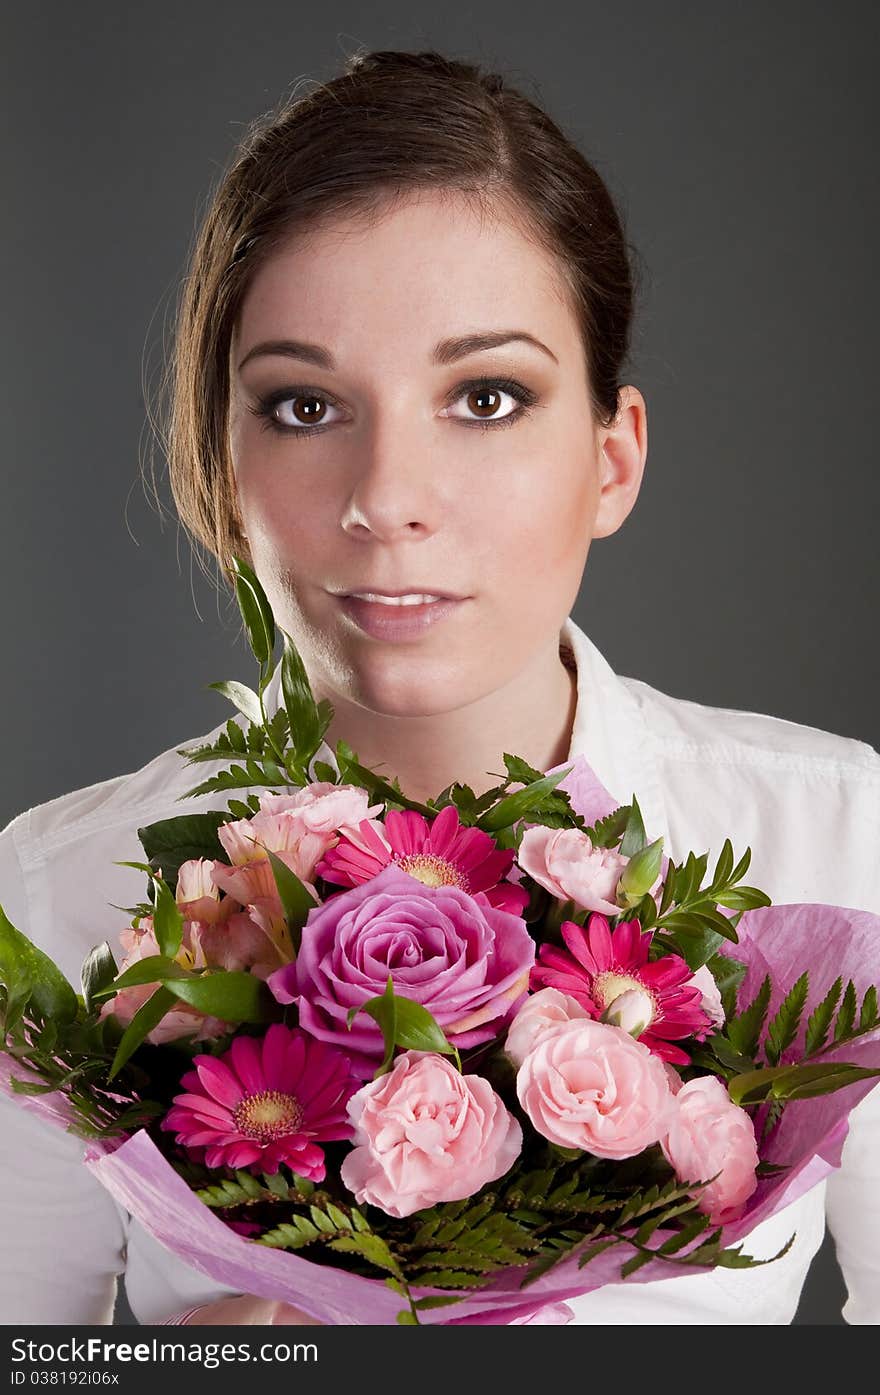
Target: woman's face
[[387, 466]]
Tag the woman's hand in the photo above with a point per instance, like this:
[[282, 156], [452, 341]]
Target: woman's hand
[[247, 1311]]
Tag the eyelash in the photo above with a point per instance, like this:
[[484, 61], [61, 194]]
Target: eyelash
[[523, 395]]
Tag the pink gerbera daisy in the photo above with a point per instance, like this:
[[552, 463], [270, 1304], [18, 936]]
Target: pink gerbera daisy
[[439, 853], [265, 1102], [603, 963]]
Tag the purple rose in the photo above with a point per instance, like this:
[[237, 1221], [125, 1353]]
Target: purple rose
[[463, 959]]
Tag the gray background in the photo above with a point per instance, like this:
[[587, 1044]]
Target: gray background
[[739, 140]]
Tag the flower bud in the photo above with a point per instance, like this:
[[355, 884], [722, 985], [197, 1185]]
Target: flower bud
[[632, 1010], [640, 874]]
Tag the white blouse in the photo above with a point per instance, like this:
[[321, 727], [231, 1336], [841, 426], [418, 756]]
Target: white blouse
[[806, 801]]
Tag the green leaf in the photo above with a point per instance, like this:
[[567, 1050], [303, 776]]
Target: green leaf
[[30, 976], [689, 1232], [728, 974], [733, 1258], [743, 898], [296, 900], [167, 919], [255, 611], [233, 997], [407, 1318], [794, 1082], [631, 1265], [300, 703], [847, 1015], [98, 970], [324, 771], [243, 697], [724, 866], [869, 1014], [635, 837], [148, 1016], [156, 968], [383, 1010], [820, 1018], [607, 832], [744, 1031], [404, 1023], [784, 1026], [417, 1030], [181, 839], [516, 806], [371, 1247]]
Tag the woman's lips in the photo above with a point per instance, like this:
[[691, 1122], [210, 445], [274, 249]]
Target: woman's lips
[[397, 622]]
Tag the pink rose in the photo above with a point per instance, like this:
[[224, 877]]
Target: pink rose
[[541, 1010], [711, 1004], [709, 1134], [564, 861], [463, 959], [425, 1133], [592, 1086]]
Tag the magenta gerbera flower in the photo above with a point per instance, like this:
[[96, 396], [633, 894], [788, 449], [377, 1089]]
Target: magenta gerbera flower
[[438, 853], [603, 963], [265, 1102]]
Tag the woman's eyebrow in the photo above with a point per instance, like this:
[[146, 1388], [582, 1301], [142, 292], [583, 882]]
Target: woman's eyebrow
[[445, 352]]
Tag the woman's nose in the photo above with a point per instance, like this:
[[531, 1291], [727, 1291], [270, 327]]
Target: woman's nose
[[397, 486]]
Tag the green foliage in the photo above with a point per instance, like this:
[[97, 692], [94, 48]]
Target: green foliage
[[255, 612], [689, 921], [784, 1027], [527, 803], [98, 970], [608, 831], [148, 1016], [244, 698], [634, 836], [744, 1030], [31, 980], [405, 1024], [170, 842], [265, 774], [796, 1082]]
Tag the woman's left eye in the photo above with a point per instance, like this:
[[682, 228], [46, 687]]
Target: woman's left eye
[[483, 397]]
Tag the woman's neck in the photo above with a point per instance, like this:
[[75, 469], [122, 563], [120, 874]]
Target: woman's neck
[[532, 717]]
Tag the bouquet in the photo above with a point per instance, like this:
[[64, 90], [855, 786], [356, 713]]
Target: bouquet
[[445, 1062]]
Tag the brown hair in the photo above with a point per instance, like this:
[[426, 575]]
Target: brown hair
[[390, 123]]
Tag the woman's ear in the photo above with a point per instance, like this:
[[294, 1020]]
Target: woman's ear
[[622, 451]]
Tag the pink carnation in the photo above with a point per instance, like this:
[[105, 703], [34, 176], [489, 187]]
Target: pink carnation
[[710, 1134], [425, 1133], [540, 1011], [588, 1085], [564, 861]]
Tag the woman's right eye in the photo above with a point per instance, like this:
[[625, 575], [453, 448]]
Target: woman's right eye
[[298, 412]]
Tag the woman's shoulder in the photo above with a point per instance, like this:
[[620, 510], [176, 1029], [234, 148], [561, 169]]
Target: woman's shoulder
[[60, 882], [805, 801], [693, 730]]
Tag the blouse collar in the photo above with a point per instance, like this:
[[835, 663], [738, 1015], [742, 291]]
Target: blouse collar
[[611, 734]]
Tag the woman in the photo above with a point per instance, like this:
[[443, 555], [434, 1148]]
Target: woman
[[397, 394]]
